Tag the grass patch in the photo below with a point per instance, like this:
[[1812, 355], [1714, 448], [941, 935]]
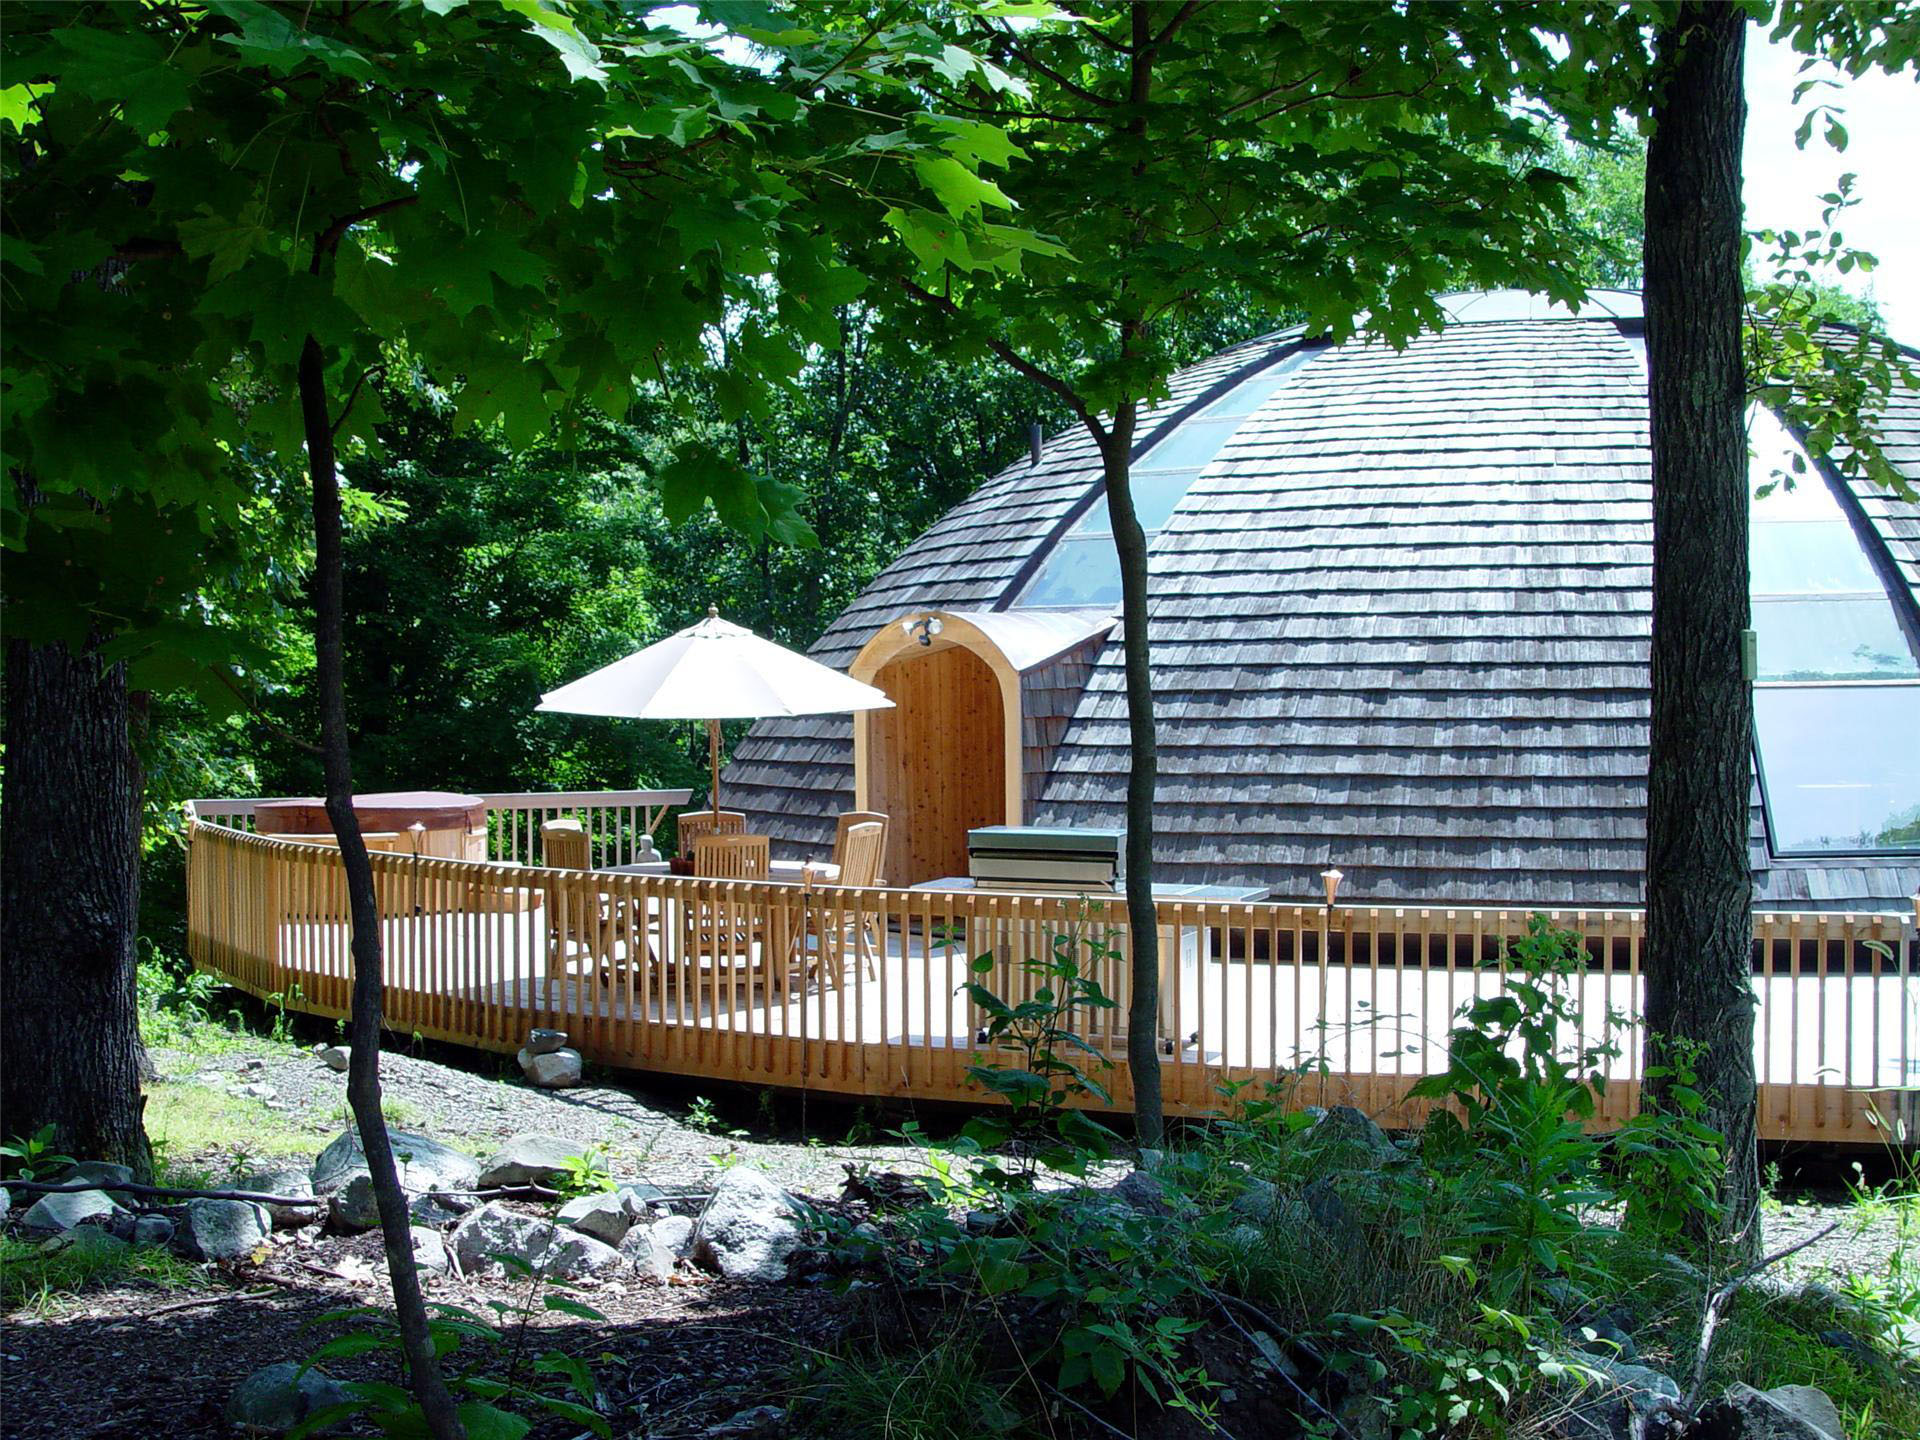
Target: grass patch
[[199, 1132], [941, 1393], [41, 1277]]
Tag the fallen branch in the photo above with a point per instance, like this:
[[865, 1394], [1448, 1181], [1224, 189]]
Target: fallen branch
[[167, 1192], [1723, 1297], [1225, 1302], [191, 1304]]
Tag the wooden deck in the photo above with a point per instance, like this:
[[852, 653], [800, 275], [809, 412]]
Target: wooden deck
[[1361, 996]]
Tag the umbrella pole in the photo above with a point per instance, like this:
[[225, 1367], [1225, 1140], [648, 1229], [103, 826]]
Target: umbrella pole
[[713, 755]]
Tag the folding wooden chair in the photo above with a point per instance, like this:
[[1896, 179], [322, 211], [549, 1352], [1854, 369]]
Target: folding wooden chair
[[725, 932], [857, 927], [580, 920], [694, 824]]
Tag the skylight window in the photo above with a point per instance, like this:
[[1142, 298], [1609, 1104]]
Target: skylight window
[[1837, 699], [1083, 568]]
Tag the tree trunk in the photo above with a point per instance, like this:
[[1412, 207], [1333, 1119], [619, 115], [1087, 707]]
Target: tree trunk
[[363, 1072], [1699, 976], [1143, 1005], [69, 895]]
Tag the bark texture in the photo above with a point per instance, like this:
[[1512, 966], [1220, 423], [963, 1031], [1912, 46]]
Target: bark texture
[[1698, 964], [1143, 1004], [363, 1072], [69, 895]]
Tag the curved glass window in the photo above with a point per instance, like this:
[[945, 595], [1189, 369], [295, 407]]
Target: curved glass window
[[1083, 569], [1836, 705]]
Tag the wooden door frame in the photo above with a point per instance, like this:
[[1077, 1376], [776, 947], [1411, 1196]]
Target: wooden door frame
[[899, 639]]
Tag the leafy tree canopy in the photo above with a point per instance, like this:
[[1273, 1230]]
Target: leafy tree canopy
[[542, 206]]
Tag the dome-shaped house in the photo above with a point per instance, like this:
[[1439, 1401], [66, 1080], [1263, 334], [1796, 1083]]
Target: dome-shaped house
[[1400, 609]]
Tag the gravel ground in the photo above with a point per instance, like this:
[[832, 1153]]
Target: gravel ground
[[644, 1136]]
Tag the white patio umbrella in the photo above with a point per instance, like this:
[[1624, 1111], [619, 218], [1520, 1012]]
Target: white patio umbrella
[[713, 671]]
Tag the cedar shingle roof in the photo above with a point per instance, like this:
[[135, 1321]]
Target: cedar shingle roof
[[1400, 625]]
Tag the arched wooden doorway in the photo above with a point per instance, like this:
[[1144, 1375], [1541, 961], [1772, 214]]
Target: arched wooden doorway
[[936, 762]]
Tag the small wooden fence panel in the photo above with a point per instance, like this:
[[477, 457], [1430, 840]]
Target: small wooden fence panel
[[862, 991]]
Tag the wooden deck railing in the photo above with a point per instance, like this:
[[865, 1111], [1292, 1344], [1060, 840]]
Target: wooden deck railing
[[620, 824], [859, 991]]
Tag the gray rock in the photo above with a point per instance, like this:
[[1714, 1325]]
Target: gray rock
[[153, 1230], [762, 1422], [1786, 1412], [555, 1070], [274, 1400], [290, 1181], [653, 1250], [1262, 1203], [1604, 1333], [430, 1251], [226, 1229], [335, 1057], [103, 1173], [544, 1042], [1348, 1138], [252, 1063], [6, 1203], [94, 1241], [68, 1208], [1614, 1404], [606, 1217], [1147, 1194], [643, 1195], [259, 1090], [749, 1228], [423, 1164], [570, 1253], [493, 1231], [530, 1160]]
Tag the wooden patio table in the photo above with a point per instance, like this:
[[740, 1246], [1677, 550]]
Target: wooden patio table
[[778, 940], [452, 826]]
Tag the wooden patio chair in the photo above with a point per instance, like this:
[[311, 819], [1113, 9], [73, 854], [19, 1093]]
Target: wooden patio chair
[[857, 927], [847, 819], [694, 824], [591, 928], [721, 931]]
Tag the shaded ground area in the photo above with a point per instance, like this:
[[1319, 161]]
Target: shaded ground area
[[141, 1362]]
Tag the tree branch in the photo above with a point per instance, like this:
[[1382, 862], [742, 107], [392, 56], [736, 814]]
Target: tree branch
[[329, 239], [1040, 376]]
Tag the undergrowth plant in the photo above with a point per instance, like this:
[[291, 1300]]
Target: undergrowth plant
[[487, 1368]]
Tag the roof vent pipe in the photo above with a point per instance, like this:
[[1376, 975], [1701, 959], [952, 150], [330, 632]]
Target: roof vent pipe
[[1033, 440]]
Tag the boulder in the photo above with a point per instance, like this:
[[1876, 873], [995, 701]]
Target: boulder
[[226, 1229], [570, 1253], [749, 1228], [1147, 1194], [291, 1181], [1617, 1399], [554, 1070], [424, 1164], [6, 1203], [544, 1042], [153, 1230], [1262, 1203], [1786, 1412], [429, 1251], [91, 1241], [1345, 1136], [67, 1208], [606, 1217], [653, 1250], [274, 1400], [103, 1173], [335, 1057], [493, 1231], [530, 1160]]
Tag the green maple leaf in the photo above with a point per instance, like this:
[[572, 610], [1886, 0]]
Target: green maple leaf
[[130, 67], [228, 241], [956, 187]]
